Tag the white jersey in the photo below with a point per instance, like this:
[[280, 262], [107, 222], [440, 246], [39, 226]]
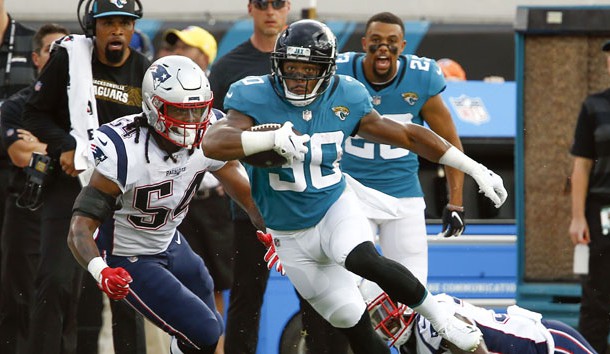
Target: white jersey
[[519, 331], [156, 194]]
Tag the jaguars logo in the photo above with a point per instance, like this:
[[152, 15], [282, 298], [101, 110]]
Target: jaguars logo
[[410, 97], [341, 111], [119, 3]]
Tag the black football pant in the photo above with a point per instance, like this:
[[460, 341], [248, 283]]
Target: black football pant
[[594, 320], [128, 335], [20, 245], [250, 275], [53, 322]]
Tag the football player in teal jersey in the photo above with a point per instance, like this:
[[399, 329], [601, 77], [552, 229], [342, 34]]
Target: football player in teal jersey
[[406, 89], [318, 228]]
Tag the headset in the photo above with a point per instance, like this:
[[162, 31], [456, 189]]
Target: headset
[[86, 20]]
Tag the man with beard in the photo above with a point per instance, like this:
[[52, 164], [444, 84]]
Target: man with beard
[[103, 78]]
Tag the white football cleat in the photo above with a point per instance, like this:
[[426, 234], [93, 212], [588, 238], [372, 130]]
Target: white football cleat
[[465, 336]]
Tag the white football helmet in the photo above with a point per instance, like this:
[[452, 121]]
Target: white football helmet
[[177, 100], [392, 321]]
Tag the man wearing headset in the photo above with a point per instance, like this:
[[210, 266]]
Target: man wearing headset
[[103, 76]]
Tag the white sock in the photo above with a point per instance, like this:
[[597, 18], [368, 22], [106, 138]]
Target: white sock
[[433, 311]]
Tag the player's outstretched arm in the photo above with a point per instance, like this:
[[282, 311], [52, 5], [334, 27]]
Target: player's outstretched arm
[[235, 182], [231, 138], [93, 205], [95, 202], [437, 116], [430, 146], [222, 140]]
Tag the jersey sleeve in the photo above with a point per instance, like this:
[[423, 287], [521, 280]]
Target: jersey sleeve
[[46, 113], [344, 63], [215, 165], [243, 95], [437, 80], [109, 155], [584, 141], [10, 121], [357, 96]]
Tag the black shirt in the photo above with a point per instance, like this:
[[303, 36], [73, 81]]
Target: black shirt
[[244, 60], [117, 92], [21, 71], [592, 140], [10, 121]]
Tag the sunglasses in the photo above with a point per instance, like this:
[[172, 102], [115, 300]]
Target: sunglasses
[[264, 5]]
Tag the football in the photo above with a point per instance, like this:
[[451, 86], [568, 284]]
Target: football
[[265, 159]]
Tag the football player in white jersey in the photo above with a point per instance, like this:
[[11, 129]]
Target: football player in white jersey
[[516, 331], [147, 168], [319, 231]]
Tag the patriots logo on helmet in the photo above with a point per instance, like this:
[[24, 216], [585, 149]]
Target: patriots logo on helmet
[[98, 154], [410, 97], [159, 74], [119, 3], [341, 111]]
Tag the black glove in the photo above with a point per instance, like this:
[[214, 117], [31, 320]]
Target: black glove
[[453, 222]]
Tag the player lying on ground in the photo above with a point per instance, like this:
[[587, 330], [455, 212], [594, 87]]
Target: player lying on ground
[[517, 331]]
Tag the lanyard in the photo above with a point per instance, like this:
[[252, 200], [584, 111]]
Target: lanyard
[[9, 59]]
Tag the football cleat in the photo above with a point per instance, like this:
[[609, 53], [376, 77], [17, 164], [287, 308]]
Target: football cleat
[[465, 336]]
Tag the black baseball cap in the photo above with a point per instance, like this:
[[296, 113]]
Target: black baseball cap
[[606, 46], [104, 8]]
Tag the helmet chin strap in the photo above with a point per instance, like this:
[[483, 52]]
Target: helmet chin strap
[[299, 100], [183, 136]]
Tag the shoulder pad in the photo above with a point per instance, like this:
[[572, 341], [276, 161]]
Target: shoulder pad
[[351, 89], [251, 90]]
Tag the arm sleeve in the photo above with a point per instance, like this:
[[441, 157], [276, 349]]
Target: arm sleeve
[[46, 112]]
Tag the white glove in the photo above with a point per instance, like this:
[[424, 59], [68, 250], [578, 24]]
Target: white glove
[[289, 144], [491, 185]]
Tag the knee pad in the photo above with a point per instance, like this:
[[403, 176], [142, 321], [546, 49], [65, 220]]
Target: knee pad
[[346, 316]]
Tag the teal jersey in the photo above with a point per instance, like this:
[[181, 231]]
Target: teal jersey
[[297, 196], [386, 168]]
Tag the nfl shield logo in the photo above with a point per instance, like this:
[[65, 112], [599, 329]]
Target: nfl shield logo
[[470, 109], [376, 100], [307, 115]]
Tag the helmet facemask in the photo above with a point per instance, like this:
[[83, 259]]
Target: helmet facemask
[[393, 322], [181, 123], [177, 100]]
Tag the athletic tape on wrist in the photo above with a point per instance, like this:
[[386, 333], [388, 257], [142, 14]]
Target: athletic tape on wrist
[[95, 267], [253, 142], [457, 159]]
